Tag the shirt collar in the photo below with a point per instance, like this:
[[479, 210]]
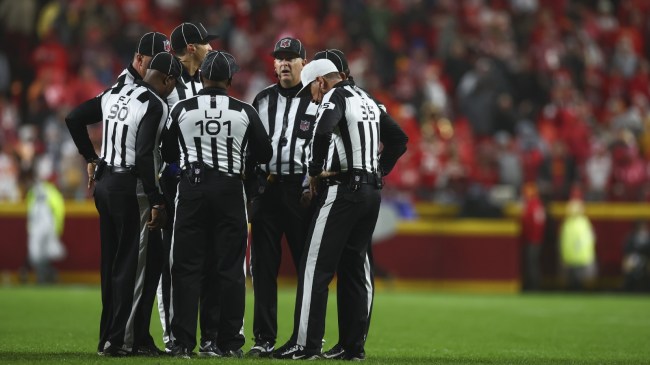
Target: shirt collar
[[213, 91]]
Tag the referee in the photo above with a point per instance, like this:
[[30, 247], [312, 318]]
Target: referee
[[277, 206], [344, 287], [150, 44], [126, 195], [216, 134], [345, 156], [190, 42]]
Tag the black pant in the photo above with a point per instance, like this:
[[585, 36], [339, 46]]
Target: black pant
[[127, 245], [169, 186], [275, 213], [351, 280], [341, 232], [209, 308], [208, 254]]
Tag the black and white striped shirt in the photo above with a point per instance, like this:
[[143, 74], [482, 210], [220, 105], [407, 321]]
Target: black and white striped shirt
[[350, 127], [192, 87], [290, 119], [216, 130], [133, 116], [128, 76]]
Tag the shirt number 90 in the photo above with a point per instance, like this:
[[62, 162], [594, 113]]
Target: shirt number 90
[[212, 127]]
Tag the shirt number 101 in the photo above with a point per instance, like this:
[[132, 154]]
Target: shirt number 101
[[213, 127]]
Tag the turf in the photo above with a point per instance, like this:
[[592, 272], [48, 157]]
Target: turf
[[60, 325]]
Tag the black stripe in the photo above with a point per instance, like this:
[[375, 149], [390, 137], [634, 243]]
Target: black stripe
[[125, 130], [181, 141], [347, 142], [271, 110], [236, 105], [242, 152], [113, 153], [143, 97], [121, 80], [213, 102], [215, 152], [362, 140], [373, 152], [336, 161], [105, 137], [199, 151], [190, 104], [131, 92], [229, 142], [283, 135], [181, 93], [302, 107]]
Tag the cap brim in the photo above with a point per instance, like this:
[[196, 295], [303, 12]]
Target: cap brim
[[285, 51], [305, 91], [210, 37], [180, 83]]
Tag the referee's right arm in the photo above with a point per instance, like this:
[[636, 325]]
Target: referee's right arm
[[89, 112]]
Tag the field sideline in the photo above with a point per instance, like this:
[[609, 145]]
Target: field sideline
[[59, 325]]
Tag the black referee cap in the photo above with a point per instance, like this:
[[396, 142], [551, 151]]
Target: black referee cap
[[289, 45], [188, 33], [218, 66], [153, 43], [337, 57], [166, 63]]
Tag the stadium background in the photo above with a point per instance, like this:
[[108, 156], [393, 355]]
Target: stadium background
[[493, 95]]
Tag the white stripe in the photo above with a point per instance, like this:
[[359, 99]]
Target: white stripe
[[161, 311], [152, 43], [183, 32], [143, 205], [241, 330], [368, 282], [312, 258], [171, 264], [212, 64], [227, 63]]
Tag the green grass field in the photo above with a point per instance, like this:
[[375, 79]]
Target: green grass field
[[60, 324]]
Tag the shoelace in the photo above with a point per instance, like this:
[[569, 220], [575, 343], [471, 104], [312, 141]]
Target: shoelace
[[293, 348]]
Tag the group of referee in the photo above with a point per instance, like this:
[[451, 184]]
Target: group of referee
[[183, 168]]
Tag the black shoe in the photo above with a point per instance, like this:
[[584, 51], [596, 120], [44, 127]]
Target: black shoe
[[181, 352], [295, 352], [168, 347], [209, 349], [148, 350], [115, 351], [260, 349], [335, 353], [361, 356], [234, 353]]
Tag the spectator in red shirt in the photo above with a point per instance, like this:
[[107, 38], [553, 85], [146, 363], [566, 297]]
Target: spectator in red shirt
[[533, 222]]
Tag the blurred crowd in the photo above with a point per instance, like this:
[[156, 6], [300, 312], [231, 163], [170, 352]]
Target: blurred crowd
[[493, 94]]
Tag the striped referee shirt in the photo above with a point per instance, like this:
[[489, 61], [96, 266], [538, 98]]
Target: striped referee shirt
[[217, 130], [192, 87], [128, 76], [350, 127], [289, 121], [133, 116]]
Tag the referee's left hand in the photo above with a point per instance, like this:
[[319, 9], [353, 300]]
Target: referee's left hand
[[158, 218], [90, 169]]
